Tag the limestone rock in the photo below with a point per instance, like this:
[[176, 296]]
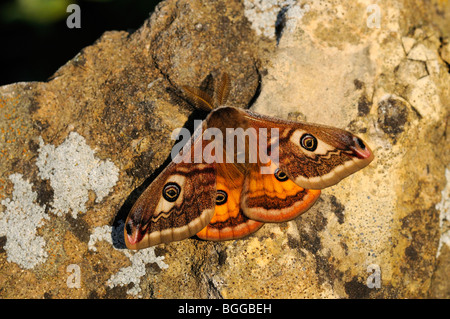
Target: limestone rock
[[77, 150]]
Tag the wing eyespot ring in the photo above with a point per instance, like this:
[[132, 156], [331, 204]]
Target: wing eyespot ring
[[221, 197], [171, 192], [280, 175], [308, 142]]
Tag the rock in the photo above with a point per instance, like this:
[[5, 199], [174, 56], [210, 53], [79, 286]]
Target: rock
[[77, 150]]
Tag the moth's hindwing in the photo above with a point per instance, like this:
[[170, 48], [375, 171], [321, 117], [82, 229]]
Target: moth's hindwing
[[228, 221], [274, 197]]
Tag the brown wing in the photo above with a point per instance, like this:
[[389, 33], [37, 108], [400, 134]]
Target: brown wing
[[177, 205], [313, 156]]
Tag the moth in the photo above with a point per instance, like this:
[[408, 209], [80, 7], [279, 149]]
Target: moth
[[224, 198]]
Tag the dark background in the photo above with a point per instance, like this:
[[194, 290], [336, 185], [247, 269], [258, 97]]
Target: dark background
[[35, 40]]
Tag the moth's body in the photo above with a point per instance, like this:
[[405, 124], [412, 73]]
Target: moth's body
[[222, 200]]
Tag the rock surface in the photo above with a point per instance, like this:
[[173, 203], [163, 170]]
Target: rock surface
[[77, 150]]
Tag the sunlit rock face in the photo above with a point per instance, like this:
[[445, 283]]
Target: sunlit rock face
[[77, 150]]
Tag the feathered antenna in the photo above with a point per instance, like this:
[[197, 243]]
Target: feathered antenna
[[199, 98], [202, 98], [208, 98], [222, 90]]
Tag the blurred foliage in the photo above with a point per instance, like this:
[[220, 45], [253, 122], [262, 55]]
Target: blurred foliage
[[34, 11], [36, 40]]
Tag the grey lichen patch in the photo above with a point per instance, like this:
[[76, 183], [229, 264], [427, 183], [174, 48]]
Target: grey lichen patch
[[392, 116], [19, 223], [139, 262], [73, 170]]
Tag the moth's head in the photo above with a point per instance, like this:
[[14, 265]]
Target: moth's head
[[324, 155]]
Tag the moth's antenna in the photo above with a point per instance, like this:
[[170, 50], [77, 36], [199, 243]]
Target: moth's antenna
[[198, 98], [203, 100], [222, 90]]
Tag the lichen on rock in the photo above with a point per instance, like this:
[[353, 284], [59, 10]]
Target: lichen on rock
[[73, 171], [19, 223]]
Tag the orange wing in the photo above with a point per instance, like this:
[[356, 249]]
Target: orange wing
[[274, 197], [228, 221]]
